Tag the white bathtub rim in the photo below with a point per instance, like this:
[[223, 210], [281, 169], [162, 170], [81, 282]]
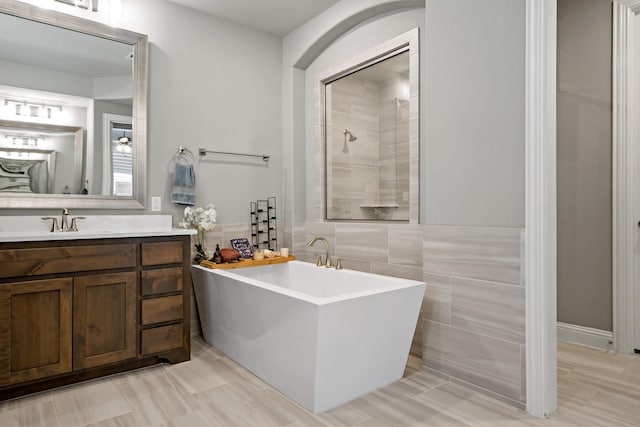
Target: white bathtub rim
[[319, 301]]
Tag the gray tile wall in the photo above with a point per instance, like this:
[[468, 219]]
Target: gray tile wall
[[353, 176], [471, 328], [472, 325], [222, 234]]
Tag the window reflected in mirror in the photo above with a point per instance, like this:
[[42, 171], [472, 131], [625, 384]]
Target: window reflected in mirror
[[118, 158], [122, 159], [367, 130]]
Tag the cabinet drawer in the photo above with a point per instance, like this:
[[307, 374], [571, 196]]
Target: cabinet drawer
[[65, 259], [157, 253], [160, 339], [164, 309], [161, 281]]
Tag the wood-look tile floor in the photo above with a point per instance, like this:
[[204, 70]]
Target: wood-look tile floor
[[595, 388]]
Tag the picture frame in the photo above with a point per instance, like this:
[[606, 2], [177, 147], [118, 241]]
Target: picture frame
[[243, 246]]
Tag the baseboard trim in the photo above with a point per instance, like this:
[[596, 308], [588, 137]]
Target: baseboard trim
[[582, 335]]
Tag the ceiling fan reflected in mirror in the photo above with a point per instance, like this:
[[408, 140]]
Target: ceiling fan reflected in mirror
[[124, 143]]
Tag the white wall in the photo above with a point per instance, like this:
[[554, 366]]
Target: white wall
[[27, 76], [474, 152], [217, 85], [120, 87], [212, 84], [358, 40], [64, 145]]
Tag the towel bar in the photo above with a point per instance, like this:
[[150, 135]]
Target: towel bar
[[204, 151]]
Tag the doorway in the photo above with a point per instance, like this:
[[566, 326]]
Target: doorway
[[584, 172], [634, 134], [626, 173]]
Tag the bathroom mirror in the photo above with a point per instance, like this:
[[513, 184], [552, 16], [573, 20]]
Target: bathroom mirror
[[370, 125], [63, 71]]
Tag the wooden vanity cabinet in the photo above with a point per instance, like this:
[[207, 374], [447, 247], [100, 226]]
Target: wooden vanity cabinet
[[164, 301], [35, 320], [80, 309], [104, 319]]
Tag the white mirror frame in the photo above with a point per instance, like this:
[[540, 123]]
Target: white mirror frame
[[404, 42], [140, 45]]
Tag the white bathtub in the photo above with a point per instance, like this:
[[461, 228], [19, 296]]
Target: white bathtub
[[321, 337]]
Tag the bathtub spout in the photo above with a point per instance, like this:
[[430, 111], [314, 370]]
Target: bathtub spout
[[327, 262]]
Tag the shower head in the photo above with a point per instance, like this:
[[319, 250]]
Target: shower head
[[352, 137]]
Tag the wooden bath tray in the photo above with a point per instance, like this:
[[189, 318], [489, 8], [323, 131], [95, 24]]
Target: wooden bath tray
[[248, 262]]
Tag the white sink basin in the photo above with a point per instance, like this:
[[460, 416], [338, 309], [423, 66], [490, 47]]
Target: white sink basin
[[93, 227]]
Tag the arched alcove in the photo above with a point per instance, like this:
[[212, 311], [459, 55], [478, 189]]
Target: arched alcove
[[302, 48]]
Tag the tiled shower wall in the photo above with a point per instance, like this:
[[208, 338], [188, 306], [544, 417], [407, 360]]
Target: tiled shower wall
[[471, 329], [375, 168], [353, 176], [393, 152]]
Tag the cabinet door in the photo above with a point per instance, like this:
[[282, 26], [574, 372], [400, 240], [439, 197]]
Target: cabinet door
[[35, 329], [104, 323]]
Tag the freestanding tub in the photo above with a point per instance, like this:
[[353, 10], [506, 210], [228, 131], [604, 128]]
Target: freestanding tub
[[321, 337]]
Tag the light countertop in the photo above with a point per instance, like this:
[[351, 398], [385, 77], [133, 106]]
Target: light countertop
[[33, 228]]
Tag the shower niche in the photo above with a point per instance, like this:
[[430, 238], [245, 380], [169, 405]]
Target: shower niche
[[370, 137]]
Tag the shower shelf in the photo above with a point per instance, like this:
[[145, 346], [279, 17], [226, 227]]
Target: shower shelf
[[379, 205]]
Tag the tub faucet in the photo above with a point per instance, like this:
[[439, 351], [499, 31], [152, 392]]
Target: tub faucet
[[327, 262]]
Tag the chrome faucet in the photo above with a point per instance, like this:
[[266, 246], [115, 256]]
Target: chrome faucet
[[327, 262], [54, 223], [64, 222], [74, 222]]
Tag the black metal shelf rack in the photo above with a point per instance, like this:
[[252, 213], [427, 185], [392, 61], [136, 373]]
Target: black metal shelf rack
[[264, 224]]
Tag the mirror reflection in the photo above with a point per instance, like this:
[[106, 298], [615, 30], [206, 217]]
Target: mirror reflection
[[40, 158], [367, 142], [120, 155], [54, 76], [62, 71]]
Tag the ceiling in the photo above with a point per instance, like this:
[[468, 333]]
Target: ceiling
[[389, 69], [32, 43], [278, 17]]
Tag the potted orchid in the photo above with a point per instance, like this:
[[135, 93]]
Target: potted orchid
[[202, 220]]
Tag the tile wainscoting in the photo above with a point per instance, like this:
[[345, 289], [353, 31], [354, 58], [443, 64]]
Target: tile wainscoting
[[221, 235], [471, 328]]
